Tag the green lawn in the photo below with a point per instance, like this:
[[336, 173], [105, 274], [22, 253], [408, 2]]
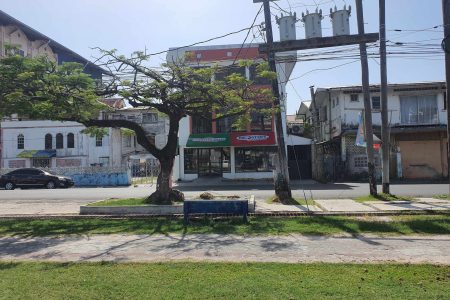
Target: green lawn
[[443, 196], [222, 281], [383, 197], [120, 202], [323, 225]]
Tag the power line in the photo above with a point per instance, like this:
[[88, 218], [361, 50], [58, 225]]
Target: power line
[[248, 32], [202, 42]]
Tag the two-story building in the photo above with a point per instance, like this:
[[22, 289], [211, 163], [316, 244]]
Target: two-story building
[[210, 147], [156, 126], [417, 120], [31, 43], [54, 144]]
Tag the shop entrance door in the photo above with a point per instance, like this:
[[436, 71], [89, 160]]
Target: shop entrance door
[[210, 162]]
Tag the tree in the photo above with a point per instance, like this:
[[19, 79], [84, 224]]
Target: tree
[[42, 90]]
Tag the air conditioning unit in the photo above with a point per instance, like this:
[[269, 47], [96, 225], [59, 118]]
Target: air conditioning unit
[[295, 129]]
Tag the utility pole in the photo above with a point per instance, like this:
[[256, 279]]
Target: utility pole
[[385, 132], [446, 17], [367, 104], [282, 186]]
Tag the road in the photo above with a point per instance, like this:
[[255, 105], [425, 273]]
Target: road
[[42, 201]]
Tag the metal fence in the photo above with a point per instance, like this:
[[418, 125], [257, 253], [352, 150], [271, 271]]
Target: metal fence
[[145, 172]]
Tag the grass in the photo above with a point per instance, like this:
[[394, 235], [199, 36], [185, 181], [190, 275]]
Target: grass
[[292, 201], [383, 197], [120, 202], [323, 225], [188, 280], [443, 196]]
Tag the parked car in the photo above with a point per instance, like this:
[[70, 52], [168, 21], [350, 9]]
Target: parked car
[[31, 177]]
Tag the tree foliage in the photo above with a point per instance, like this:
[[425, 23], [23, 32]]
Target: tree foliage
[[40, 89]]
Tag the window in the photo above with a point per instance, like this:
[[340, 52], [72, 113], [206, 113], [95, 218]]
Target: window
[[200, 124], [261, 122], [419, 109], [149, 118], [59, 141], [376, 103], [20, 141], [40, 162], [257, 159], [445, 100], [256, 79], [104, 161], [48, 141], [98, 141], [151, 138], [360, 161], [190, 161], [227, 71], [128, 141], [70, 140], [354, 98]]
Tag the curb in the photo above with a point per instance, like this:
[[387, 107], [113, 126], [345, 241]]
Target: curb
[[271, 214]]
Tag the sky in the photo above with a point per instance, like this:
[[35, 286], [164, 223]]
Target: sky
[[156, 25]]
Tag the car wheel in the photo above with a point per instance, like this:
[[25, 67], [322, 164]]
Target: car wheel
[[9, 186], [50, 185]]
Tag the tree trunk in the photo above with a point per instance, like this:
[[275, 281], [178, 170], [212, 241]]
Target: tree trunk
[[164, 194]]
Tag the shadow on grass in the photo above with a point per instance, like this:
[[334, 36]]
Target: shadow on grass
[[312, 225]]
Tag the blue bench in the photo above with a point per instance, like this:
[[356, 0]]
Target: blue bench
[[232, 207]]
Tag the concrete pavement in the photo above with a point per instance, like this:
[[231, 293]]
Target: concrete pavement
[[212, 247]]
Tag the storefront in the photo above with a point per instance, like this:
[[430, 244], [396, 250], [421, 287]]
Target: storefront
[[229, 155]]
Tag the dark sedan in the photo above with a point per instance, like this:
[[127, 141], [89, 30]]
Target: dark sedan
[[30, 177]]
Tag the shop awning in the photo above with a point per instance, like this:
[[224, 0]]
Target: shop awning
[[37, 154], [208, 140]]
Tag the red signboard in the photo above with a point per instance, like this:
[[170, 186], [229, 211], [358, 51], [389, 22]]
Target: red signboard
[[252, 138]]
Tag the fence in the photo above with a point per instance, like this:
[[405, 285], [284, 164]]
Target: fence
[[91, 176], [145, 172]]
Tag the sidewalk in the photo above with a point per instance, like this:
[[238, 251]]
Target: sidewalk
[[213, 247], [24, 208], [351, 206]]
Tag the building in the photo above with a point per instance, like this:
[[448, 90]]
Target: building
[[31, 43], [156, 126], [417, 119], [54, 144], [214, 148]]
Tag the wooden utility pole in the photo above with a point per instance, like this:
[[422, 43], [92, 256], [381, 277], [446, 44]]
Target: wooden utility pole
[[446, 17], [385, 132], [282, 186], [367, 104]]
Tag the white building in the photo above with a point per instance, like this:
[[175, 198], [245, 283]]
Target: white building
[[155, 125], [417, 115], [56, 144]]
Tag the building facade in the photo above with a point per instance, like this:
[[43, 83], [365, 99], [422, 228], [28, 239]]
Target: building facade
[[209, 147], [28, 42], [155, 125], [53, 144], [417, 120]]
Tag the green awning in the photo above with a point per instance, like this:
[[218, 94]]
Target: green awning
[[37, 153], [208, 140]]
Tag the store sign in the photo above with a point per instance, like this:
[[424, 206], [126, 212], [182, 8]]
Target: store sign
[[208, 140], [254, 138]]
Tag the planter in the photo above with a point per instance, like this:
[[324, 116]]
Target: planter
[[132, 210]]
